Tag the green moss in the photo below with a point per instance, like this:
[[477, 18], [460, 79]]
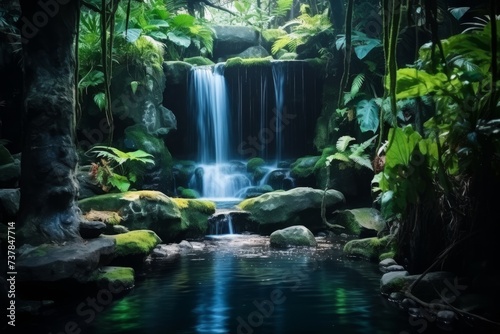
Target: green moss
[[115, 276], [304, 167], [188, 193], [138, 242], [247, 63], [316, 63], [254, 163], [199, 61], [288, 56], [387, 255], [369, 248]]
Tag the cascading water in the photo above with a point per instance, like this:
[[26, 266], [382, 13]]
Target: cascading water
[[211, 108], [237, 113]]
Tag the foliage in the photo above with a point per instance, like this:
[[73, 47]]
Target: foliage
[[303, 28], [351, 155], [361, 43], [111, 160]]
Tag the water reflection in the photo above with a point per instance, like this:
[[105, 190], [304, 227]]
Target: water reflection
[[213, 300]]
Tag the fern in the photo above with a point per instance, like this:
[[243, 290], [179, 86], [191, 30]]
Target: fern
[[343, 142], [356, 85]]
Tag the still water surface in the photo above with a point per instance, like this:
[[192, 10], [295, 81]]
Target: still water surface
[[238, 285]]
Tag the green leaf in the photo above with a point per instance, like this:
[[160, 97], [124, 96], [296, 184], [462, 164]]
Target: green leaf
[[183, 20], [402, 146], [357, 83], [367, 114], [100, 100], [179, 38], [343, 142], [362, 160], [131, 35], [362, 50], [340, 156], [414, 83], [93, 78], [120, 182], [134, 85]]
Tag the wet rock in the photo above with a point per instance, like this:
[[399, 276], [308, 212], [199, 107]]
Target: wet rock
[[173, 219], [91, 229], [240, 222], [395, 267], [446, 316], [186, 245], [369, 248], [408, 303], [133, 247], [292, 236], [51, 262], [119, 278], [298, 206], [396, 297]]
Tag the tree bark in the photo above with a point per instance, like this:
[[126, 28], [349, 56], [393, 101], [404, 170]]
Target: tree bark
[[49, 189]]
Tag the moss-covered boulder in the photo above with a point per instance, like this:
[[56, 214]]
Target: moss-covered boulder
[[373, 249], [302, 170], [177, 72], [119, 278], [254, 163], [133, 247], [297, 206], [173, 219], [187, 193], [292, 236], [199, 61], [356, 221]]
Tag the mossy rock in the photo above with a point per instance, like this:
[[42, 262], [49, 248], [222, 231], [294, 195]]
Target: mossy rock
[[370, 248], [119, 278], [249, 62], [173, 219], [139, 242], [199, 61], [292, 236], [254, 163], [177, 72], [188, 193], [298, 206], [288, 56]]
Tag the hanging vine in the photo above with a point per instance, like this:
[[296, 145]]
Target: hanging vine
[[348, 52]]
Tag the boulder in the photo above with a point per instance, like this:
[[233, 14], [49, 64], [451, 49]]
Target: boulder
[[177, 72], [442, 287], [135, 243], [231, 40], [10, 174], [297, 206], [373, 249], [292, 236], [172, 219], [91, 229], [254, 52], [52, 262]]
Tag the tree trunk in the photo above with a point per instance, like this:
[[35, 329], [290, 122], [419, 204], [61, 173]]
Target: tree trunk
[[49, 189]]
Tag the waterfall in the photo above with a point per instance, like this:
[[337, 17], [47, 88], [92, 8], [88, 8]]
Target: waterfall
[[236, 113], [279, 71], [210, 107]]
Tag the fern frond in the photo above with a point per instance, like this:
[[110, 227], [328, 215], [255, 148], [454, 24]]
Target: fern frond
[[357, 83], [343, 142], [362, 160]]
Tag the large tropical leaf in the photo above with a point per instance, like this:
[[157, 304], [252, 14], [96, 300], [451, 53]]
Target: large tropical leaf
[[403, 144], [179, 38], [367, 113], [414, 83]]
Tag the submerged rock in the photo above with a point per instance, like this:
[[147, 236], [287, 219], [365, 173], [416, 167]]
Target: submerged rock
[[118, 277], [297, 206], [292, 236]]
